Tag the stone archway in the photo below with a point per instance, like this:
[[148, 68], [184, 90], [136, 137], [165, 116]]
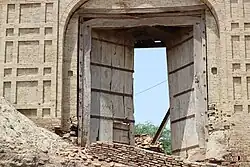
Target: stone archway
[[72, 6], [68, 20], [65, 17]]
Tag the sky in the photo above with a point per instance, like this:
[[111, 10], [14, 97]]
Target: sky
[[150, 70]]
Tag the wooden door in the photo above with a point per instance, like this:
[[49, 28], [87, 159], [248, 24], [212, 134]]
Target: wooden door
[[112, 65], [187, 89]]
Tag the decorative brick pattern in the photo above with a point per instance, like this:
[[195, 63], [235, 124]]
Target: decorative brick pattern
[[30, 56]]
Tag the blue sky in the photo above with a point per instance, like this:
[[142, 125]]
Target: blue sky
[[150, 69]]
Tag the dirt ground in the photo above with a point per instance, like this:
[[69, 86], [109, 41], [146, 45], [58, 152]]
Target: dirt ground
[[24, 144]]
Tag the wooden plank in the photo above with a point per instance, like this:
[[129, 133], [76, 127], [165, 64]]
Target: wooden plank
[[121, 126], [118, 55], [205, 72], [121, 136], [185, 48], [185, 105], [161, 128], [169, 14], [128, 83], [123, 120], [182, 80], [181, 42], [95, 122], [181, 68], [200, 81], [117, 83], [105, 54], [96, 49], [184, 134], [85, 85], [112, 67], [111, 36], [95, 83], [128, 101], [80, 83], [139, 15], [106, 76], [143, 10], [109, 41], [129, 113], [129, 56], [183, 118], [128, 23], [182, 93], [118, 106], [121, 132], [106, 110], [95, 77], [179, 37], [111, 92]]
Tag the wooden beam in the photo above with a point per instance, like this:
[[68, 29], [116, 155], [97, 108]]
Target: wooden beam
[[139, 15], [84, 85], [161, 128], [129, 23], [201, 80], [142, 10], [80, 81]]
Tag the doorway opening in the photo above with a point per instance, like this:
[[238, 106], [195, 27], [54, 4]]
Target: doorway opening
[[112, 44], [151, 98], [164, 39], [151, 95]]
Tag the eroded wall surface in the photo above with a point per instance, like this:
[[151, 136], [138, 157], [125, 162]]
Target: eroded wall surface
[[38, 64], [228, 82], [28, 57]]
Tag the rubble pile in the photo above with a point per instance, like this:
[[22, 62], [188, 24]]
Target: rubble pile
[[137, 157], [145, 141], [23, 143]]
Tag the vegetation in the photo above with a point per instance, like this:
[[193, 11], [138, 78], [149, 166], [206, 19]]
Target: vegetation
[[150, 129]]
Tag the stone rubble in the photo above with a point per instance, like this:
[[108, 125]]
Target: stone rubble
[[131, 156], [24, 144], [145, 141]]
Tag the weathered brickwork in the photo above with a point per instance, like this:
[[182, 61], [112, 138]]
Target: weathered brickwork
[[38, 64], [228, 82], [29, 57], [133, 157]]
